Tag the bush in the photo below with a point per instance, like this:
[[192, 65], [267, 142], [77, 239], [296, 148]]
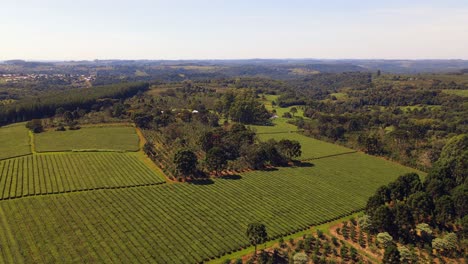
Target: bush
[[60, 128], [320, 233], [35, 126]]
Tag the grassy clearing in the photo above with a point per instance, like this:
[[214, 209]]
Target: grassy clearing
[[113, 138], [463, 93], [311, 148], [340, 96], [14, 141], [187, 223], [68, 172]]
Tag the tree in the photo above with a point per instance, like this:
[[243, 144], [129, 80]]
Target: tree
[[421, 205], [59, 111], [216, 159], [290, 148], [35, 125], [257, 234], [353, 253], [300, 258], [185, 161], [383, 218], [364, 222], [444, 210], [406, 256], [206, 141], [68, 116], [391, 255], [384, 239], [373, 145], [403, 220], [460, 199], [293, 111], [447, 244]]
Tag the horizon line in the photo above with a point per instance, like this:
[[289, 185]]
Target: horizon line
[[234, 59]]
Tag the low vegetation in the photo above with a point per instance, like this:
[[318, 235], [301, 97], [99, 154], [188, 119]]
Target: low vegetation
[[187, 223], [41, 174], [14, 141], [111, 138]]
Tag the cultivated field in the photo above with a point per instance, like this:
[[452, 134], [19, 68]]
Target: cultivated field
[[186, 223], [463, 93], [59, 173], [114, 138], [14, 141]]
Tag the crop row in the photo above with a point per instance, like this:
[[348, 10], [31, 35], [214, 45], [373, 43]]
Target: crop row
[[60, 173], [188, 223]]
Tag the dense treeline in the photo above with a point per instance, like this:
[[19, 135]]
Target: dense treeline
[[47, 105], [410, 209]]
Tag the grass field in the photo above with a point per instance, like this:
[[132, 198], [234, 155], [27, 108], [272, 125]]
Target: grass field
[[89, 138], [68, 172], [463, 93], [311, 148], [186, 223], [340, 96], [14, 141]]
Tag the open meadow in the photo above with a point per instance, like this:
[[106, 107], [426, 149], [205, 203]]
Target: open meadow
[[112, 138], [14, 141], [311, 148]]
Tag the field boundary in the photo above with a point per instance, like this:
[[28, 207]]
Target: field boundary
[[17, 156], [83, 190], [86, 150], [330, 156], [279, 132]]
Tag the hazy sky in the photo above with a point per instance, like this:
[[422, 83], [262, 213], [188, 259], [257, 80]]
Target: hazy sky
[[217, 29]]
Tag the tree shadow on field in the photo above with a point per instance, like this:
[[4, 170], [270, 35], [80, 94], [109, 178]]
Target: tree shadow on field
[[269, 169], [231, 177], [202, 182], [303, 164]]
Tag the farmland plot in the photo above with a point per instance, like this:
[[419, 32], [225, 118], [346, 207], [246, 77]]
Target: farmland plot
[[187, 223], [14, 141], [58, 173], [113, 138]]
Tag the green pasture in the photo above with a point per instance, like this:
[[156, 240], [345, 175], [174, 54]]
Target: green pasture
[[112, 138], [463, 93], [14, 141]]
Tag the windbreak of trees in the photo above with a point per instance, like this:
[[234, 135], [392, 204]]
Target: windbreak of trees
[[47, 105]]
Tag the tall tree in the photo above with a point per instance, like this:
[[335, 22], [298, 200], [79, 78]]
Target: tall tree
[[257, 234], [290, 148], [186, 162], [391, 255], [216, 159]]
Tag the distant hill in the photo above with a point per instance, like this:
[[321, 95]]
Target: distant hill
[[177, 70]]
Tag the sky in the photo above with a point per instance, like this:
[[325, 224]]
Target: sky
[[235, 29]]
